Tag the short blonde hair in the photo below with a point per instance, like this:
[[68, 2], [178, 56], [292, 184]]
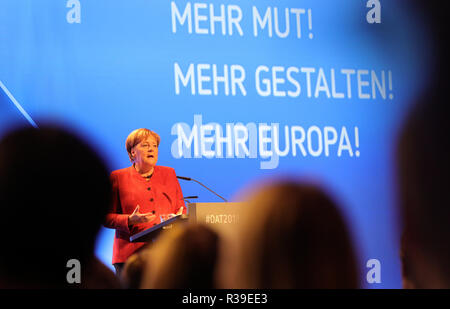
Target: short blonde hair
[[138, 136]]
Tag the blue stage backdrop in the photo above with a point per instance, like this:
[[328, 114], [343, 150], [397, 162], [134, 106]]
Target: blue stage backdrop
[[237, 90]]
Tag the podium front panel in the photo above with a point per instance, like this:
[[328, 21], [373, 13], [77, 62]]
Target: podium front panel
[[224, 218]]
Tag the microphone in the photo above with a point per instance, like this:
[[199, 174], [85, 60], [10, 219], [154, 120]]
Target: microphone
[[190, 179], [190, 197]]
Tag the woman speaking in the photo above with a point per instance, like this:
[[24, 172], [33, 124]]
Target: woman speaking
[[141, 193]]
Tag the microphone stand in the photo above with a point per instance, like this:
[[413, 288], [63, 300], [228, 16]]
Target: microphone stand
[[186, 198], [191, 179]]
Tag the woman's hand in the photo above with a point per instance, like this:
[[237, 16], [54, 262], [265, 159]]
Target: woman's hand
[[180, 211], [170, 216], [136, 217]]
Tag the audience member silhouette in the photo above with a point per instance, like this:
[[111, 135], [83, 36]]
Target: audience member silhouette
[[54, 195], [293, 236], [184, 257], [424, 169], [134, 269], [408, 280]]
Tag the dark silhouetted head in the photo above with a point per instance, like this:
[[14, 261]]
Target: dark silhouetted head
[[424, 168], [54, 195], [295, 237], [185, 257]]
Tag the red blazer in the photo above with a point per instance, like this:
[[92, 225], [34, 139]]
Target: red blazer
[[162, 194]]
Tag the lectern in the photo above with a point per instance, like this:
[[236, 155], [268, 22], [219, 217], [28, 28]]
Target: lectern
[[151, 233], [228, 221], [224, 218]]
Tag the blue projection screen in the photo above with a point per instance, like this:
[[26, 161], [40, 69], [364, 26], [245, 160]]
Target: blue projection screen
[[237, 90]]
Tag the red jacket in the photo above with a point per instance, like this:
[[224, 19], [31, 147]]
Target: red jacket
[[162, 194]]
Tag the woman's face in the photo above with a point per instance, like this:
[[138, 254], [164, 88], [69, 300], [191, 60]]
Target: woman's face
[[146, 152]]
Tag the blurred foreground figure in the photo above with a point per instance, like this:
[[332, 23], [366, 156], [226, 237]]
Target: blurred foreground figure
[[424, 167], [294, 237], [135, 268], [184, 257], [54, 196]]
